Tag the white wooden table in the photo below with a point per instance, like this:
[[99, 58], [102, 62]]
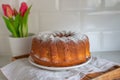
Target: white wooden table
[[112, 56], [4, 60]]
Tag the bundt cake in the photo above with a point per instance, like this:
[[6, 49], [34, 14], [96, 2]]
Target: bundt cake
[[60, 49]]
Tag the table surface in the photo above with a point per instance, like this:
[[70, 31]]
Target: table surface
[[112, 56]]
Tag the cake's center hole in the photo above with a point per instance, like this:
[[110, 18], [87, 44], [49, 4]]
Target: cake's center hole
[[63, 35]]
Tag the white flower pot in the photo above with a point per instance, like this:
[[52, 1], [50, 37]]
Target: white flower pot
[[20, 46]]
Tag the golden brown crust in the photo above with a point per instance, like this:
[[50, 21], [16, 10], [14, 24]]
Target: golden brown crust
[[61, 64], [60, 53]]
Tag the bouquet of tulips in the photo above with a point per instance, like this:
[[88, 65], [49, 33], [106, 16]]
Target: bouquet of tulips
[[16, 21]]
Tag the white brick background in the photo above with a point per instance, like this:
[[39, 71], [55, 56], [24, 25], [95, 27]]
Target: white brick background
[[99, 19]]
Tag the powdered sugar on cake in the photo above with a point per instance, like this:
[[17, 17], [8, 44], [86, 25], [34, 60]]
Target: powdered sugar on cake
[[45, 36], [60, 48], [64, 36]]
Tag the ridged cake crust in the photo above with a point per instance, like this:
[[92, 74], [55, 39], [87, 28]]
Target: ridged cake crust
[[60, 49]]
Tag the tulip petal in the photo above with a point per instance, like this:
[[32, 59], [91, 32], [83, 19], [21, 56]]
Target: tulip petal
[[15, 12], [4, 9], [23, 8], [8, 12]]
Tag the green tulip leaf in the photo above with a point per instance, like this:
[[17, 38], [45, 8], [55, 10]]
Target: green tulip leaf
[[25, 22], [25, 17], [17, 22], [20, 30], [10, 27]]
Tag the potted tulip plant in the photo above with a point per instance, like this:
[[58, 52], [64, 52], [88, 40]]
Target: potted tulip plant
[[17, 23]]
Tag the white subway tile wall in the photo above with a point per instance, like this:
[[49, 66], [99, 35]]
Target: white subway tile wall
[[70, 5], [103, 21], [44, 5], [111, 40], [99, 19], [4, 45], [59, 21], [33, 22], [95, 40]]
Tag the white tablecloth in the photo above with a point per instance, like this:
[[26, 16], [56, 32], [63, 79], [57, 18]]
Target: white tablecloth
[[22, 70]]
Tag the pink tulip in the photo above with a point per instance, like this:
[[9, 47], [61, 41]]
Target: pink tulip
[[23, 8], [15, 12], [7, 10]]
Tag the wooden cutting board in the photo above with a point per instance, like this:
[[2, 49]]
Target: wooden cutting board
[[111, 74]]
